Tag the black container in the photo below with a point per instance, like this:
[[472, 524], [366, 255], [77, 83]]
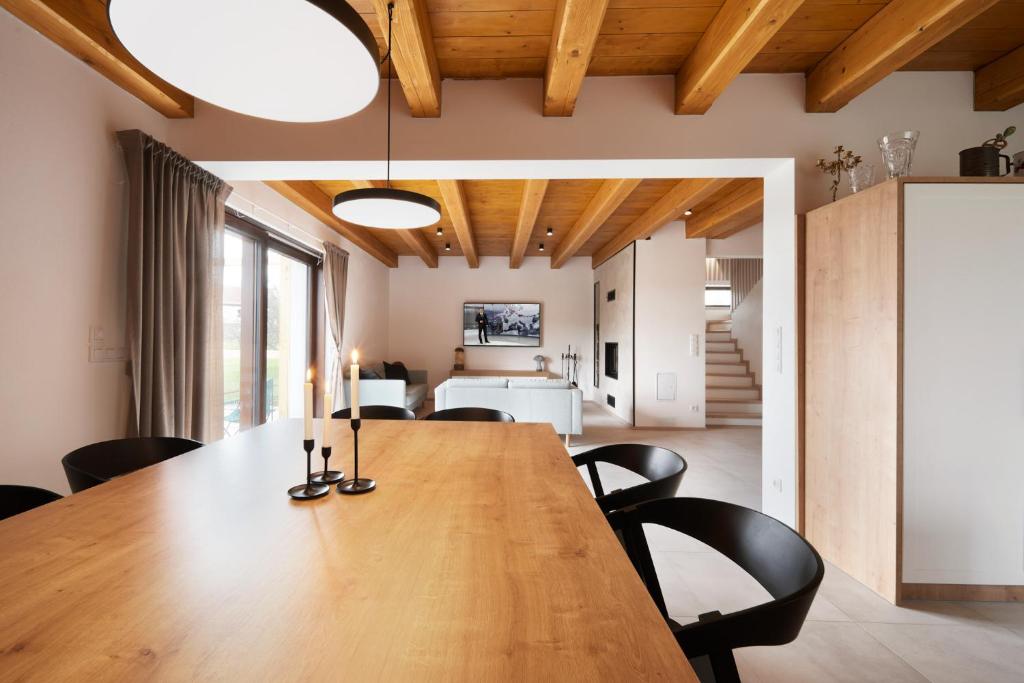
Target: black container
[[983, 161]]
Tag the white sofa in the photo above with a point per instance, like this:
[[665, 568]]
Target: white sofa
[[527, 399], [391, 392]]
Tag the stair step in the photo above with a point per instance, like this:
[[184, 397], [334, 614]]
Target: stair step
[[720, 347], [720, 407], [742, 381], [718, 336], [726, 368], [712, 357], [732, 420], [719, 326], [750, 394]]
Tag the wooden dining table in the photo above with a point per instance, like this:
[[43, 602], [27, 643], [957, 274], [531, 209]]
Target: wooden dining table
[[481, 556]]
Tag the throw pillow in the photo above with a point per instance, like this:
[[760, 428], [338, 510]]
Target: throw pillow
[[366, 373], [396, 371]]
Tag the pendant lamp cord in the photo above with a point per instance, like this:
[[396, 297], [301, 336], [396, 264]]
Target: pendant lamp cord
[[391, 12]]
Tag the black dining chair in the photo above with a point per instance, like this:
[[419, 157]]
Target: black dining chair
[[470, 415], [778, 558], [100, 462], [16, 499], [664, 470], [376, 413]]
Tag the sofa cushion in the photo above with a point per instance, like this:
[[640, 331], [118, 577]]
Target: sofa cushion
[[537, 383], [367, 373], [396, 370], [415, 395], [479, 382]]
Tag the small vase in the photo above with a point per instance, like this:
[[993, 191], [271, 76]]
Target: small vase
[[861, 177], [898, 152]]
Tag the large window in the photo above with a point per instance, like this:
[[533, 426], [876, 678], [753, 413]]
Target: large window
[[717, 297], [270, 324]]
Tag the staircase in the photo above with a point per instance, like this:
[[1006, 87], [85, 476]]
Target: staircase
[[733, 398]]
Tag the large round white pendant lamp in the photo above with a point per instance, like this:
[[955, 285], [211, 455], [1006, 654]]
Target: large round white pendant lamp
[[284, 60], [387, 207]]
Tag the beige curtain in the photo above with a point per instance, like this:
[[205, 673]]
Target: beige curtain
[[175, 269], [336, 284]]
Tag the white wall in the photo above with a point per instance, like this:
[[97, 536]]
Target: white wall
[[425, 312], [366, 303], [747, 329], [963, 385], [62, 203], [670, 277], [616, 319], [746, 244]]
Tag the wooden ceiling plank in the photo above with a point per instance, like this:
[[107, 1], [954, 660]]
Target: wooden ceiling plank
[[685, 194], [608, 198], [529, 207], [421, 245], [307, 196], [1000, 85], [82, 29], [745, 198], [889, 40], [577, 25], [455, 205], [739, 31], [413, 55]]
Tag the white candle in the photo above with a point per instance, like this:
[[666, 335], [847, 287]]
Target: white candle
[[354, 375], [307, 407], [328, 439]]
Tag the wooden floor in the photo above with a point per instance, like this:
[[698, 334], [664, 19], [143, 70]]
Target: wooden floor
[[851, 633]]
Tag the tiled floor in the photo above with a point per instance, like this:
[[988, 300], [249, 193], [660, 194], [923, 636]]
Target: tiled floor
[[851, 633]]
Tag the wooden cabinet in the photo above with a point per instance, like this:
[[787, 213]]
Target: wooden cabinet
[[914, 387]]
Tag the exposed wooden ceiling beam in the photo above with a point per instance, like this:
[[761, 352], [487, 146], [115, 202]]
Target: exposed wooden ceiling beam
[[608, 198], [306, 195], [577, 24], [81, 27], [529, 207], [739, 204], [738, 32], [1000, 85], [455, 204], [890, 39], [738, 223], [685, 194], [413, 55], [414, 239]]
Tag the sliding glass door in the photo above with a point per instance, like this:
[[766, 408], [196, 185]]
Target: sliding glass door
[[270, 324]]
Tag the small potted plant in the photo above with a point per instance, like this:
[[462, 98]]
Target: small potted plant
[[984, 160], [845, 160]]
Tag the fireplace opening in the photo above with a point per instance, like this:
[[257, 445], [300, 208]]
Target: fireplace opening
[[611, 360]]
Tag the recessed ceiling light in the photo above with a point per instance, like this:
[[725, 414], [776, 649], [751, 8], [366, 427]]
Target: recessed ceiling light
[[297, 61], [551, 231], [440, 231], [541, 247], [688, 212], [447, 246]]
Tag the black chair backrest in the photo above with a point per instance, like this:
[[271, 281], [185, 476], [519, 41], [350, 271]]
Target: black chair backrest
[[471, 415], [16, 499], [664, 470], [100, 462], [778, 558], [376, 413]]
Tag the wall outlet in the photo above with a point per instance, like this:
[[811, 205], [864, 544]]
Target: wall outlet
[[777, 485], [695, 409]]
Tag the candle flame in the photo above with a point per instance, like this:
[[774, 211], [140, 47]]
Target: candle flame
[[355, 357], [309, 375]]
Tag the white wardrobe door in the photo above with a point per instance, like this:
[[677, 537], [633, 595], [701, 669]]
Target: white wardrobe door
[[963, 458]]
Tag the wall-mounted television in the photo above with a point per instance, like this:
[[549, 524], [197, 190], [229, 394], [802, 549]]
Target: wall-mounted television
[[492, 325]]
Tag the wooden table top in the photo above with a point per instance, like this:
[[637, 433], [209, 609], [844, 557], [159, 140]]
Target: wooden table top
[[481, 556]]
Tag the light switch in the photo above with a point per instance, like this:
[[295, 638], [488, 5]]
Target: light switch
[[694, 345]]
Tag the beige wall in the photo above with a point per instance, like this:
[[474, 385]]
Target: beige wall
[[425, 312], [617, 326], [61, 268]]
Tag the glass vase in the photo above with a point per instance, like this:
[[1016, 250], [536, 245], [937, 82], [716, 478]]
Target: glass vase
[[898, 152], [861, 177]]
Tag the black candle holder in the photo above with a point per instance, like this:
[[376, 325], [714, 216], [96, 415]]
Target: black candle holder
[[327, 476], [356, 485], [310, 489]]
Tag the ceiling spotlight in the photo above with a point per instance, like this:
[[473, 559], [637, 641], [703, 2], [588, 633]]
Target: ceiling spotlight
[[551, 231], [386, 207], [541, 247], [440, 231], [296, 61], [688, 212], [447, 246]]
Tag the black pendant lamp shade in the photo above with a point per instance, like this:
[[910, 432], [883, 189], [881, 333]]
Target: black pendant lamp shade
[[387, 207], [284, 60]]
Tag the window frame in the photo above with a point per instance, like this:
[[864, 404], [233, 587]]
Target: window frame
[[267, 240], [721, 288]]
